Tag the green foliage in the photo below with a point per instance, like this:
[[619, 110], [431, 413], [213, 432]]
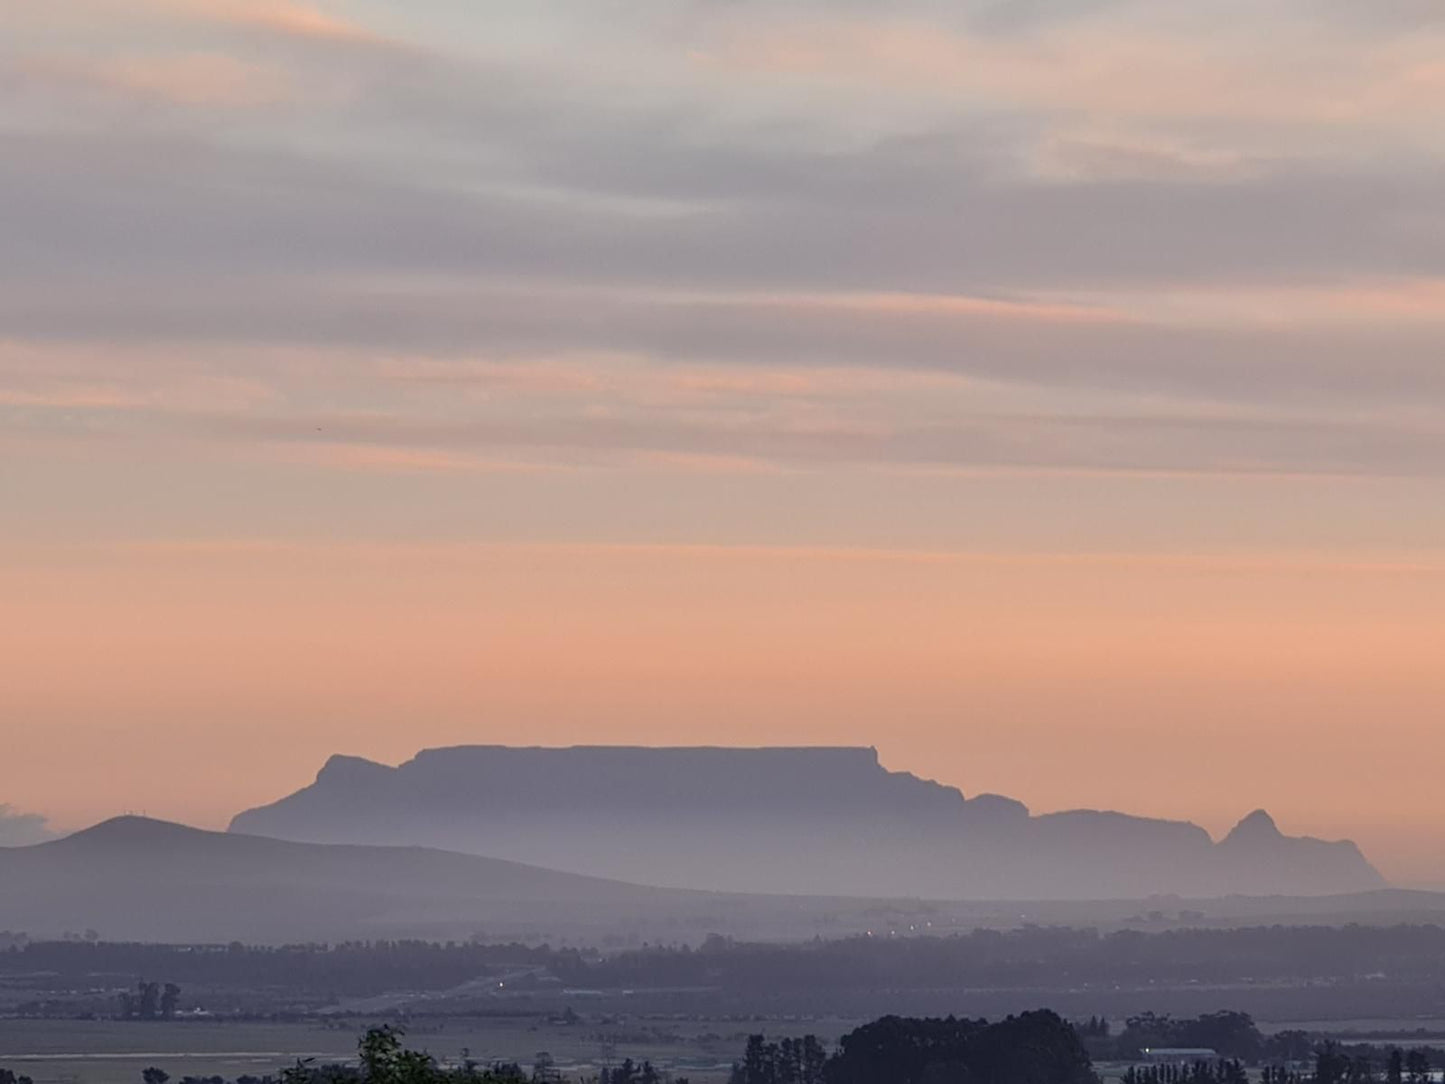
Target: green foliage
[[384, 1060]]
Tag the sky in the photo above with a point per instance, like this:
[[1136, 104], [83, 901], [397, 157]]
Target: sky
[[1048, 393]]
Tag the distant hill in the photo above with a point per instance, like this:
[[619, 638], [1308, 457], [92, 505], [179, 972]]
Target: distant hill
[[146, 880], [828, 821], [138, 879]]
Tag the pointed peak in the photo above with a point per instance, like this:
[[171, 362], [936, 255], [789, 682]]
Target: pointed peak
[[1260, 819], [1259, 825]]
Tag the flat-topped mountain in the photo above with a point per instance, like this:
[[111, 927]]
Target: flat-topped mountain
[[827, 821]]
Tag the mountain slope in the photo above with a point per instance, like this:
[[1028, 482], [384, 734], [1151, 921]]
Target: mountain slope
[[819, 821], [134, 878]]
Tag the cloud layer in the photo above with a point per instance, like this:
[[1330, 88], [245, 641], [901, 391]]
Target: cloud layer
[[1046, 281], [1116, 236]]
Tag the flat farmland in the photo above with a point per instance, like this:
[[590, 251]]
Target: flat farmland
[[105, 1051], [116, 1052]]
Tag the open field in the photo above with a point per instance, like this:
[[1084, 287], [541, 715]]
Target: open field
[[115, 1052], [701, 1048]]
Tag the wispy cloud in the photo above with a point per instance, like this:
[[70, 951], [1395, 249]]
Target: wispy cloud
[[192, 79], [1169, 63], [1101, 238], [1298, 562], [19, 829], [381, 459], [280, 15], [1036, 276]]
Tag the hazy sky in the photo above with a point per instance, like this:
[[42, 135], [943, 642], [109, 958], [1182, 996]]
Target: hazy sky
[[1048, 392]]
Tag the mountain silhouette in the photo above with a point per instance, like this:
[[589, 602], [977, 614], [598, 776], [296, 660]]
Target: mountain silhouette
[[133, 878], [826, 821]]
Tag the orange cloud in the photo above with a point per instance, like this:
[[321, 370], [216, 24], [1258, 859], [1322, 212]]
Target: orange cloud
[[1412, 300], [1140, 72], [383, 459], [192, 79], [97, 397], [283, 16], [917, 304], [297, 19], [287, 17], [694, 463], [1303, 565]]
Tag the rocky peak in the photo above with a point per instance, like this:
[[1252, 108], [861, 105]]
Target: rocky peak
[[1258, 827], [341, 768]]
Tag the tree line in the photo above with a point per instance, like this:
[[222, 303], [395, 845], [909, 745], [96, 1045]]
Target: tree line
[[1220, 1071], [151, 1001], [1332, 1064], [1235, 1037], [1040, 1048], [382, 1058], [983, 959], [1032, 1048]]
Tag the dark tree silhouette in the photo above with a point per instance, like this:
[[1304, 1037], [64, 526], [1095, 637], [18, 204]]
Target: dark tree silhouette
[[1334, 1066], [1197, 1072], [149, 1000], [631, 1073], [1033, 1048]]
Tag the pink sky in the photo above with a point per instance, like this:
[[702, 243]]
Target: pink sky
[[191, 681], [1048, 394]]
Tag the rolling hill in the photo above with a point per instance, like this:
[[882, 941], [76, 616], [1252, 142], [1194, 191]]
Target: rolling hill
[[141, 879]]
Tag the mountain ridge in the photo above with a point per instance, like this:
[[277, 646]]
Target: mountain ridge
[[788, 819], [139, 879]]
